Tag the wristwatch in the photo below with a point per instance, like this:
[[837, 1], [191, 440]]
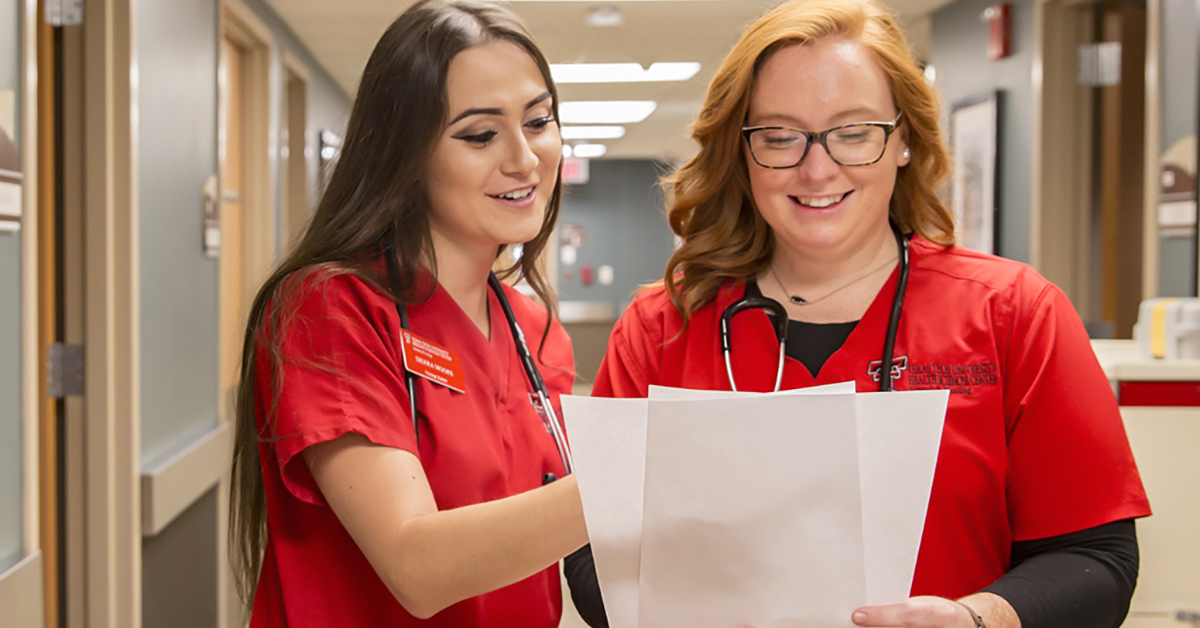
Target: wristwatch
[[974, 616]]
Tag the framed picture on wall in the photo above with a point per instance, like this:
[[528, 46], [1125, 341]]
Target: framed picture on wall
[[974, 152]]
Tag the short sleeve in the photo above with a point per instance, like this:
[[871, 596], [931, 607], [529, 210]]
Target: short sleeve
[[339, 372], [1070, 463], [633, 355]]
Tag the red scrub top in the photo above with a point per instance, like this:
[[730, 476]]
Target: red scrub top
[[1033, 444], [343, 373]]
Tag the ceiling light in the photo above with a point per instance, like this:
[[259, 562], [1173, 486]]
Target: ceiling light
[[592, 132], [622, 72], [589, 150], [606, 16], [605, 111]]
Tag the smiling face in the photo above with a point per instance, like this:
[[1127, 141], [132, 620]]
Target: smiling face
[[819, 208], [494, 167]]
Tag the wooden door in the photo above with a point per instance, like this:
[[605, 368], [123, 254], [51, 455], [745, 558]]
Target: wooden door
[[233, 242], [294, 163]]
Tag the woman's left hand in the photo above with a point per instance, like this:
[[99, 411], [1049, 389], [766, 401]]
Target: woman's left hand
[[939, 612], [917, 612]]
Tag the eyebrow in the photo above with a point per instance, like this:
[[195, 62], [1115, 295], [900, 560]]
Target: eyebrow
[[836, 120], [495, 111]]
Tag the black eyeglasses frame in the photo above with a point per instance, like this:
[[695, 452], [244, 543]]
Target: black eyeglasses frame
[[818, 137]]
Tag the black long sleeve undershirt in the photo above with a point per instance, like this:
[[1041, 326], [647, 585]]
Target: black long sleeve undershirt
[[1080, 580]]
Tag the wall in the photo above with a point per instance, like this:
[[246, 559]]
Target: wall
[[621, 212], [177, 134], [959, 52], [177, 68], [183, 598], [11, 463], [328, 105], [1179, 51]]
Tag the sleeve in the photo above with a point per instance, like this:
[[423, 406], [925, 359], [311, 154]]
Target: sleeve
[[1083, 579], [631, 361], [579, 568], [338, 372], [1070, 465]]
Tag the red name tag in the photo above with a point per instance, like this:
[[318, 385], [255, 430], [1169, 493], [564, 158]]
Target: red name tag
[[432, 361]]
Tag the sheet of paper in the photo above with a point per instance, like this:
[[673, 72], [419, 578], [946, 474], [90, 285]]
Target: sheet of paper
[[608, 444], [899, 434], [752, 513], [667, 393], [897, 440]]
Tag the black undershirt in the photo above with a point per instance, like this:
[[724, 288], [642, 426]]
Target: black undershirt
[[1083, 579], [811, 344]]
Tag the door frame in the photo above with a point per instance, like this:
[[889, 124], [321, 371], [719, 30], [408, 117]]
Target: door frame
[[1062, 180], [241, 25], [294, 190], [102, 293], [244, 28]]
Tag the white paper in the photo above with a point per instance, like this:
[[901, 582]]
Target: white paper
[[608, 444], [741, 480], [667, 393], [752, 514], [899, 434]]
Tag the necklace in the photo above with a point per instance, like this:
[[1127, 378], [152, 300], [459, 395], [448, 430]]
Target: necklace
[[799, 300]]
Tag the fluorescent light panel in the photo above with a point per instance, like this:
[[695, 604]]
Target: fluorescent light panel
[[622, 72], [589, 150], [592, 132], [605, 111]]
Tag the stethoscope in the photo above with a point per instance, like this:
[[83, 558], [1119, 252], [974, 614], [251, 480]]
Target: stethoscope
[[781, 323], [531, 371]]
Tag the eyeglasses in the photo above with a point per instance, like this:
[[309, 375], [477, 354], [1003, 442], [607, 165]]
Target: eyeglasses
[[860, 144]]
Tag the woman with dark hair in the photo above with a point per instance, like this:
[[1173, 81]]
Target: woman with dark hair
[[363, 495], [814, 195]]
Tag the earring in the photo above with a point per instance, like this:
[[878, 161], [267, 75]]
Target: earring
[[906, 153]]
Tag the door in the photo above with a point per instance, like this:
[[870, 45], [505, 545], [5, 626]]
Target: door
[[21, 561], [233, 242]]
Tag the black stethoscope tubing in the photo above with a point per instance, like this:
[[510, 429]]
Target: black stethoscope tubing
[[780, 322], [530, 367]]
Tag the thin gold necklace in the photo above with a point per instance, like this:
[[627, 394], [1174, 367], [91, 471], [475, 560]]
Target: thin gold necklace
[[799, 300]]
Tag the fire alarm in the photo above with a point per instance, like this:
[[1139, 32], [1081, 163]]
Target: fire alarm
[[999, 20]]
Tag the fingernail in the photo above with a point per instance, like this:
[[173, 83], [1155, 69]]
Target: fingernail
[[860, 617]]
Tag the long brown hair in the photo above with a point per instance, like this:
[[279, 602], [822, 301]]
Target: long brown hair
[[710, 203], [375, 204]]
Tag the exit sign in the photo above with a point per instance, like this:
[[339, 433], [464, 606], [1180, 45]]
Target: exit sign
[[574, 171]]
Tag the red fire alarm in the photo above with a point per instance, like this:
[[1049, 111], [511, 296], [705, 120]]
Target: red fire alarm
[[586, 275], [999, 21]]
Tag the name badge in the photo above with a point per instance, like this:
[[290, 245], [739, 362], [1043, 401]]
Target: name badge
[[432, 361]]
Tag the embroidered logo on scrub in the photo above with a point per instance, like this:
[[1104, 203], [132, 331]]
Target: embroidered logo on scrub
[[432, 361], [898, 366], [959, 379]]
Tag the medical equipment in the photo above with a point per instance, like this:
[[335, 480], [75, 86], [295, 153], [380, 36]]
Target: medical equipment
[[780, 322], [1169, 328], [549, 416]]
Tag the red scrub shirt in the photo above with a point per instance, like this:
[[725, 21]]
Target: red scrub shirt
[[1033, 444], [342, 372]]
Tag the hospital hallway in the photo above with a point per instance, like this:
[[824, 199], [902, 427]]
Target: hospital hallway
[[159, 158]]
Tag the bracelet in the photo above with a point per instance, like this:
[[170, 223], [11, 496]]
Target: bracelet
[[974, 616]]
